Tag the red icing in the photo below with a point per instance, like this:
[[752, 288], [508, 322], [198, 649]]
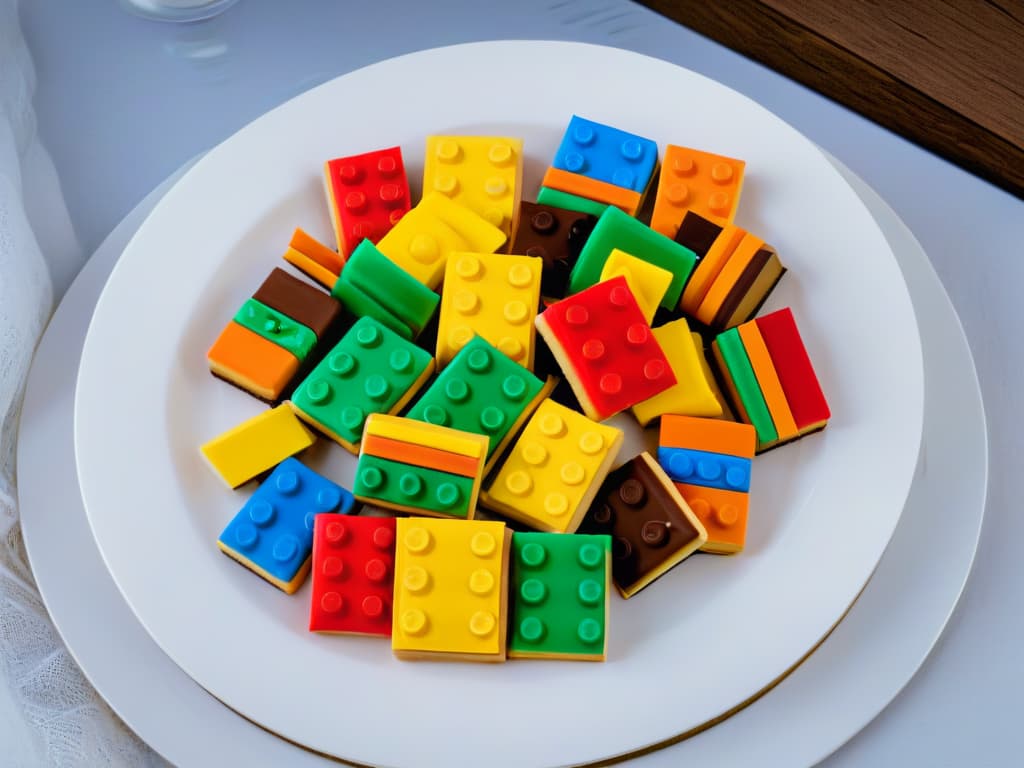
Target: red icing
[[353, 572], [371, 194], [610, 347], [793, 365]]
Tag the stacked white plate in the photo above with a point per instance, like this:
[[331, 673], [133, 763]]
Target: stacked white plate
[[707, 639]]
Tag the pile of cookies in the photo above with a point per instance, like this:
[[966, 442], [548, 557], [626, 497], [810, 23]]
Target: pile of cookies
[[421, 354]]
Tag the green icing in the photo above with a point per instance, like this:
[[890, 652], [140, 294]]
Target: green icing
[[372, 285], [368, 371], [730, 346], [388, 482], [569, 201], [364, 305], [480, 391], [276, 327], [559, 593], [616, 229]]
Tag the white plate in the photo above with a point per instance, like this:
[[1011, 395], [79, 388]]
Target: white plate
[[824, 508], [890, 628]]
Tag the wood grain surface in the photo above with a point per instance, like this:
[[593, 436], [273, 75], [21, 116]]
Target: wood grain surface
[[947, 75]]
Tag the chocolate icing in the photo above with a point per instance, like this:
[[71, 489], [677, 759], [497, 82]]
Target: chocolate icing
[[742, 286], [697, 233], [300, 301], [555, 235], [647, 526]]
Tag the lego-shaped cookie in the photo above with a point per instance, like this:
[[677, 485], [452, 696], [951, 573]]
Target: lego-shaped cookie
[[371, 370], [770, 379], [706, 183], [437, 227], [554, 235], [483, 173], [617, 230], [367, 195], [556, 198], [607, 154], [652, 527], [492, 296], [423, 469], [554, 469], [275, 336], [734, 276], [372, 285], [560, 587], [743, 283], [256, 445], [313, 258], [484, 392], [352, 575], [694, 392], [647, 281], [272, 535], [451, 589], [605, 349], [709, 461], [586, 188]]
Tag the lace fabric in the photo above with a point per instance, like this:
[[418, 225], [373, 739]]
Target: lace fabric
[[67, 722]]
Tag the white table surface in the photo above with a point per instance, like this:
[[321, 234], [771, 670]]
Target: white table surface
[[123, 102]]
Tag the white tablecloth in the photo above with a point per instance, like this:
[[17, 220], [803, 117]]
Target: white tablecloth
[[49, 714]]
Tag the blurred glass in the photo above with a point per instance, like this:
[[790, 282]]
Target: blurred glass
[[177, 10]]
